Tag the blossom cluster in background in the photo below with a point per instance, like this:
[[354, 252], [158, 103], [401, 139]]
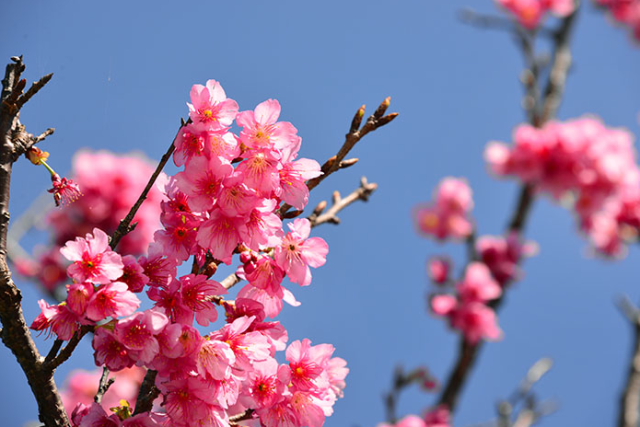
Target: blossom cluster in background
[[530, 13], [449, 215], [227, 201], [585, 164], [110, 184], [624, 12], [466, 304]]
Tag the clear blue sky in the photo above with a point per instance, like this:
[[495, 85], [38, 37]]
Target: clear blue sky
[[123, 71]]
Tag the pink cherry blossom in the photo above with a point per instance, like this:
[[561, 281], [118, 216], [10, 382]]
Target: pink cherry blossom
[[59, 318], [476, 321], [112, 300], [64, 190], [478, 284], [261, 128], [93, 259], [210, 106], [449, 215], [438, 417], [298, 252]]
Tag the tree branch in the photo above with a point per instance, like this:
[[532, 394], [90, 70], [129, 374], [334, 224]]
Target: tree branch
[[15, 333], [374, 122], [331, 216], [148, 393]]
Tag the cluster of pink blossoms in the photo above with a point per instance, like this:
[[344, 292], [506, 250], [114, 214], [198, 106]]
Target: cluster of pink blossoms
[[449, 215], [468, 310], [530, 13], [625, 12], [584, 162], [110, 184], [226, 201], [466, 305]]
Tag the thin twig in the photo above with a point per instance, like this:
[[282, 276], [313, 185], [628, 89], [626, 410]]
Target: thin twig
[[375, 121], [68, 350], [125, 226], [57, 344], [331, 216], [561, 66], [35, 88]]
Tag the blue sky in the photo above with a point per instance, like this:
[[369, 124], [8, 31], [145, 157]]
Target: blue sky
[[123, 71]]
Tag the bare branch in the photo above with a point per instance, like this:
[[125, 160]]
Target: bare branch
[[339, 203], [35, 88], [374, 122], [561, 65], [14, 141]]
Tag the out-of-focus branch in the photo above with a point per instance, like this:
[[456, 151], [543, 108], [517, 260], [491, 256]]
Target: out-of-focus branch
[[402, 380], [14, 142], [562, 60], [468, 353], [532, 410], [629, 411]]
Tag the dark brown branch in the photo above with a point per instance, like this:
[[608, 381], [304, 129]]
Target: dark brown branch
[[148, 392], [629, 415], [15, 333], [125, 226], [35, 88], [55, 348], [67, 351]]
